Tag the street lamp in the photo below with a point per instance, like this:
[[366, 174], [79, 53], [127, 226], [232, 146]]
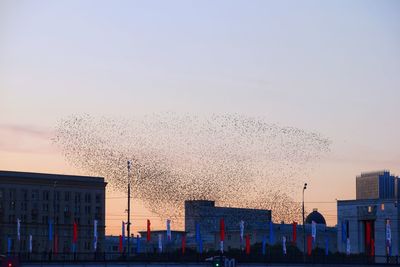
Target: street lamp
[[129, 206], [304, 227]]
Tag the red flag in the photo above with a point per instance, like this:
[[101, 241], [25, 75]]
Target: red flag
[[75, 237], [222, 229], [183, 243], [247, 244], [309, 245], [120, 247], [148, 237], [368, 232], [55, 244], [294, 232]]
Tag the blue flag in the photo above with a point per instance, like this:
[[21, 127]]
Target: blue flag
[[264, 244], [50, 230], [9, 244], [198, 238], [326, 245], [137, 244], [271, 233], [344, 232]]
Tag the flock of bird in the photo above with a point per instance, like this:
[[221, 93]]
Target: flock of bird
[[237, 161]]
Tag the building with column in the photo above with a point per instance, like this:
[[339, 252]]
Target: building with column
[[39, 200], [370, 224]]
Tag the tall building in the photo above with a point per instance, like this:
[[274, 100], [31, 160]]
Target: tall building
[[37, 199], [376, 185], [370, 224]]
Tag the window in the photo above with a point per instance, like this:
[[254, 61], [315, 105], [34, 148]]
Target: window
[[1, 193], [46, 195], [57, 196], [12, 205], [35, 195], [12, 194], [88, 198], [98, 198], [11, 218], [369, 209], [24, 206], [77, 197], [45, 207], [67, 196], [25, 195]]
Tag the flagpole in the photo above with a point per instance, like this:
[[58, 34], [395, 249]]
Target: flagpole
[[129, 206], [304, 228]]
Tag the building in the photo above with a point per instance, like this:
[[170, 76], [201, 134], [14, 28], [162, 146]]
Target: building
[[207, 216], [370, 224], [256, 225], [38, 200], [376, 185]]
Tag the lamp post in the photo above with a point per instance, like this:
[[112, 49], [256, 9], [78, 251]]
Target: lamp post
[[304, 227]]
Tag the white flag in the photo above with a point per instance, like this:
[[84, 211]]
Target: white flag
[[241, 230], [313, 230], [348, 246], [30, 243], [284, 244], [169, 229], [221, 246], [160, 242], [19, 229], [95, 235], [388, 233]]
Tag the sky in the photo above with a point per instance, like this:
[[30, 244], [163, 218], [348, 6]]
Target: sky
[[331, 67]]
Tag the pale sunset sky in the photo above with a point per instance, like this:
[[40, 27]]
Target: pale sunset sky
[[331, 67]]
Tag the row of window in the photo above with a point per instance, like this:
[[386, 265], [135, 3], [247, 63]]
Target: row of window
[[35, 195]]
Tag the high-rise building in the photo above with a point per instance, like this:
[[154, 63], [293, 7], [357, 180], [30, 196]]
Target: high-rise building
[[376, 185], [47, 205]]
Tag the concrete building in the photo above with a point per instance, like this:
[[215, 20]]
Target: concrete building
[[371, 222], [37, 198], [207, 215]]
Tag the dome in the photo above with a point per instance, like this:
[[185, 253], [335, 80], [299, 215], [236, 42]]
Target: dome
[[316, 217]]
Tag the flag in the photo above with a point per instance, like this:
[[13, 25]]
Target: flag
[[95, 235], [388, 238], [294, 232], [50, 230], [348, 246], [198, 238], [169, 230], [326, 245], [137, 244], [160, 243], [123, 233], [9, 244], [313, 230], [241, 224], [247, 244], [271, 233], [284, 245], [56, 244], [344, 232], [264, 244], [30, 243], [222, 233], [19, 229], [120, 246], [368, 232], [183, 243], [309, 245], [148, 237], [75, 234]]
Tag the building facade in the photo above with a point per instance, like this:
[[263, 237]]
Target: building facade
[[370, 224], [47, 205]]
